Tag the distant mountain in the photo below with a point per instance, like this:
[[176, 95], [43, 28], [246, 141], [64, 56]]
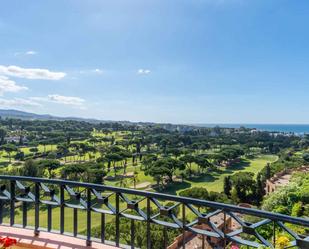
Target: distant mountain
[[16, 114], [33, 116]]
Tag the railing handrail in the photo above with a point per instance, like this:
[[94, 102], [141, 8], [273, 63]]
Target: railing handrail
[[186, 200]]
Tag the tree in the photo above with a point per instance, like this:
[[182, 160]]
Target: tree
[[113, 158], [123, 182], [63, 150], [306, 157], [31, 169], [44, 143], [219, 197], [73, 171], [297, 209], [51, 155], [195, 192], [148, 161], [9, 149], [202, 162], [125, 155], [95, 172], [227, 185], [188, 160], [87, 172], [2, 135], [244, 184], [218, 158], [75, 148], [268, 171], [260, 191], [174, 151], [20, 155], [164, 168], [34, 150], [135, 178], [158, 171], [50, 165]]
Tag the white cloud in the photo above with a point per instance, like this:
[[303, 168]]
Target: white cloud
[[98, 71], [18, 102], [143, 71], [7, 85], [31, 52], [31, 73], [38, 101], [92, 71], [66, 100], [60, 99]]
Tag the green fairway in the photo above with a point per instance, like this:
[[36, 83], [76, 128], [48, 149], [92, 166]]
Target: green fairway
[[214, 180], [41, 148]]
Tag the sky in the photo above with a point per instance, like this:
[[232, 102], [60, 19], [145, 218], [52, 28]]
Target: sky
[[177, 61]]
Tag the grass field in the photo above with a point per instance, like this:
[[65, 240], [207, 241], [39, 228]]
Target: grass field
[[214, 180]]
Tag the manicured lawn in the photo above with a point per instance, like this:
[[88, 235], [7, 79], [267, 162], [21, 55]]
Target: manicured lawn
[[214, 180], [41, 148]]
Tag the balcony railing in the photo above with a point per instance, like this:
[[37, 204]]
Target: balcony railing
[[188, 216]]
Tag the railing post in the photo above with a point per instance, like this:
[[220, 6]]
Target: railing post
[[224, 228], [88, 241], [37, 209], [24, 214], [1, 211], [164, 237], [274, 233], [148, 224], [49, 218], [183, 226], [12, 203], [102, 227], [75, 224], [132, 234], [61, 209], [117, 220], [16, 194]]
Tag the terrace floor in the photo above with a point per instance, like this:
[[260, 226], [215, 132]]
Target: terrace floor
[[26, 239]]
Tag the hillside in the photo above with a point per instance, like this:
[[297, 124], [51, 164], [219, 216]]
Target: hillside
[[33, 116]]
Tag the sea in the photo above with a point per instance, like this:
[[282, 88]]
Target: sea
[[298, 129]]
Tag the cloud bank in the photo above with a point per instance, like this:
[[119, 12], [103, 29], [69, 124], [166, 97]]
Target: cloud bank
[[31, 73], [7, 85], [18, 102], [66, 100], [60, 99]]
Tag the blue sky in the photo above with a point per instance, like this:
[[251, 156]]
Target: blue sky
[[180, 61]]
